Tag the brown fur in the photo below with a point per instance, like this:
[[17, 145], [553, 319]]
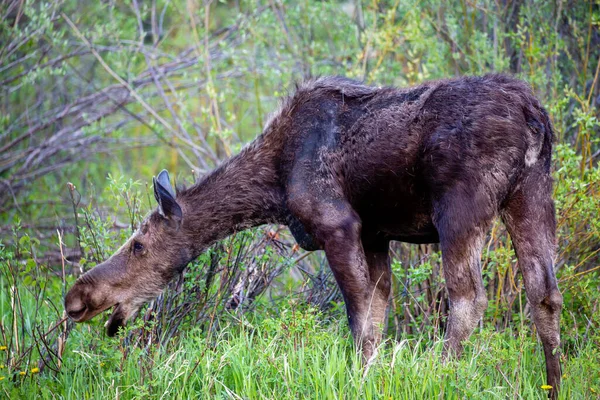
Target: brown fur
[[349, 168]]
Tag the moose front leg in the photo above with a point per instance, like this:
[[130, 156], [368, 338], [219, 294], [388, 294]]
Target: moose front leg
[[337, 229], [380, 275], [344, 251]]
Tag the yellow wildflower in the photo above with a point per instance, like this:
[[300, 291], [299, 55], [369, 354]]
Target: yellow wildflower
[[546, 387], [3, 348], [22, 373], [35, 370], [1, 378], [2, 366], [102, 364]]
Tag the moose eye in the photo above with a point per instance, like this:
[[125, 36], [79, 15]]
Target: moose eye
[[137, 247]]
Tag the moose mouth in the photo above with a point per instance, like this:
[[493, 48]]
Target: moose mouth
[[116, 320], [84, 314]]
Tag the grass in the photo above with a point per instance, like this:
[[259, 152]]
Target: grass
[[301, 355]]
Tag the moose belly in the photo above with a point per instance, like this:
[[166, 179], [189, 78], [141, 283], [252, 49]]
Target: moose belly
[[396, 213]]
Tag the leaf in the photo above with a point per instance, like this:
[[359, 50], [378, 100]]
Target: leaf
[[24, 240]]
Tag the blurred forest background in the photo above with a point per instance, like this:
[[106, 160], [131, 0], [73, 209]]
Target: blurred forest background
[[97, 97]]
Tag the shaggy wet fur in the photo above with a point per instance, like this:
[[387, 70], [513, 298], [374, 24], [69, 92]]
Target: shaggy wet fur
[[349, 168]]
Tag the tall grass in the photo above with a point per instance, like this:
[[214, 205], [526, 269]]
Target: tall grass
[[296, 354]]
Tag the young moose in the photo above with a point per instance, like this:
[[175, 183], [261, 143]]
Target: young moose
[[348, 168]]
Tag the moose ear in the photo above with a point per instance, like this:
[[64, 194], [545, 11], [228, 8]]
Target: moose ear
[[165, 196]]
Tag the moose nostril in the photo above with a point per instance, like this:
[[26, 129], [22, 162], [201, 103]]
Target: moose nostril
[[78, 313]]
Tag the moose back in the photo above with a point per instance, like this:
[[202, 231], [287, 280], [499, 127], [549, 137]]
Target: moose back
[[349, 168]]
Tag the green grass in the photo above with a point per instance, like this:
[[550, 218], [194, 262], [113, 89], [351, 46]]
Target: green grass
[[301, 355]]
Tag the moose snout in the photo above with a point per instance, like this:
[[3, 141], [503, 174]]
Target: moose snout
[[77, 312], [74, 305]]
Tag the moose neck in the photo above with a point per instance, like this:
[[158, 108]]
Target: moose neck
[[242, 193]]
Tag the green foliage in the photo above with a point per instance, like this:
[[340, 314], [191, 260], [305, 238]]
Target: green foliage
[[275, 357]]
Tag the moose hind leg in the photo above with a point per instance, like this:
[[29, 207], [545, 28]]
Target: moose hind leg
[[530, 221], [461, 240]]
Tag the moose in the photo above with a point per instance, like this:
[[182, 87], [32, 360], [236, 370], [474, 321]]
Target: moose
[[349, 168]]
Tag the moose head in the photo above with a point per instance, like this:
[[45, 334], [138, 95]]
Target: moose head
[[139, 270]]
